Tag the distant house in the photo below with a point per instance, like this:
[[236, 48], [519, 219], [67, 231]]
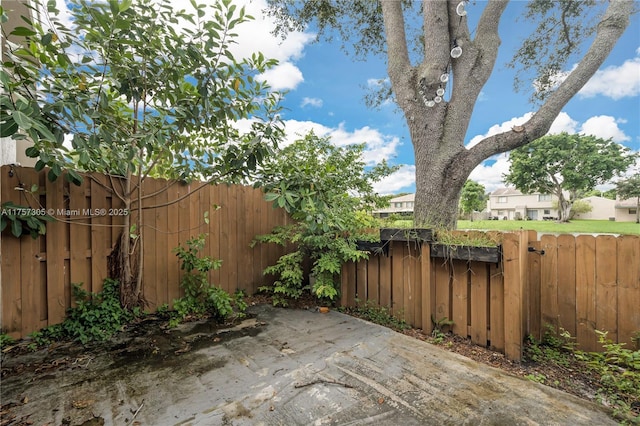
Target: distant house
[[602, 209], [402, 205], [510, 203], [626, 210]]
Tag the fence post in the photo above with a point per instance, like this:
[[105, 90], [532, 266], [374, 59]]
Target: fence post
[[514, 260], [427, 285]]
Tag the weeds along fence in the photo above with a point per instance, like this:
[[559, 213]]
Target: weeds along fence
[[36, 274], [580, 283]]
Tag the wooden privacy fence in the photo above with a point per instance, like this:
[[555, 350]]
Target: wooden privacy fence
[[581, 284], [36, 275]]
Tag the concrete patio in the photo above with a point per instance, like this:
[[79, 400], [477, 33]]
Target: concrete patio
[[292, 367]]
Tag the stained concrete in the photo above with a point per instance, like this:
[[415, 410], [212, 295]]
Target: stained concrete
[[293, 367]]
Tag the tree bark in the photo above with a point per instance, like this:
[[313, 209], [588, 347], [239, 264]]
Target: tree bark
[[442, 162]]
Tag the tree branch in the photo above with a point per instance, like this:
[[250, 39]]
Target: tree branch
[[398, 64], [610, 28]]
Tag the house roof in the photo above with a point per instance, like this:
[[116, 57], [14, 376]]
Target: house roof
[[506, 191], [629, 203], [403, 198]]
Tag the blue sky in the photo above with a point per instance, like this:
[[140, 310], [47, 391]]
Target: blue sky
[[326, 89]]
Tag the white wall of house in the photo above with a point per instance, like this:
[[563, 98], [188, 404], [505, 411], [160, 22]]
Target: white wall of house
[[398, 205], [602, 209], [510, 203], [625, 210]]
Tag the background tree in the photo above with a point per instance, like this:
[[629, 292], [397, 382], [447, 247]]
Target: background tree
[[562, 163], [328, 191], [578, 207], [141, 90], [629, 188], [472, 197], [429, 46], [610, 193]]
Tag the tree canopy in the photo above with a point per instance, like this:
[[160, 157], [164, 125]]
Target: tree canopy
[[564, 163], [472, 197], [629, 188], [136, 89], [431, 48]]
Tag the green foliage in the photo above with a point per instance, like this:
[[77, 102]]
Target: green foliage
[[161, 103], [371, 311], [557, 163], [617, 367], [562, 27], [439, 328], [141, 89], [472, 197], [327, 190], [619, 371], [5, 340], [23, 220], [95, 317], [200, 297]]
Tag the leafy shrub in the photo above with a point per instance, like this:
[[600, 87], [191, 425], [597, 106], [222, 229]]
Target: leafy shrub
[[200, 297], [95, 317], [327, 192], [5, 340]]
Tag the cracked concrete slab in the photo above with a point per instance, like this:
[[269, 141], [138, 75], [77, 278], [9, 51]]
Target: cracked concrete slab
[[297, 367]]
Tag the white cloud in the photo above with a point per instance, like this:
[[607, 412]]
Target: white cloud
[[285, 76], [605, 127], [378, 146], [500, 128], [314, 102], [615, 82], [563, 123], [402, 179], [490, 175]]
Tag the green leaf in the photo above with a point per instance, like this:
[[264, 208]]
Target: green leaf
[[8, 128], [125, 4], [23, 120], [23, 32], [16, 228], [46, 39]]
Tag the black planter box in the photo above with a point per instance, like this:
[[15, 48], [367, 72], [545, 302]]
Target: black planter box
[[406, 234], [468, 253], [375, 247]]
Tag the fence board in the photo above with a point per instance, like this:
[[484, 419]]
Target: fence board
[[79, 237], [149, 243], [361, 282], [408, 282], [428, 296], [460, 297], [385, 281], [397, 288], [56, 301], [173, 239], [479, 305], [586, 292], [535, 310], [348, 278], [567, 282], [606, 286], [514, 252], [628, 289], [443, 290], [99, 230], [549, 281], [373, 279], [36, 274], [496, 306], [416, 279]]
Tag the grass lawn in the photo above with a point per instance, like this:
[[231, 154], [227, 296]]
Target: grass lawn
[[575, 226]]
